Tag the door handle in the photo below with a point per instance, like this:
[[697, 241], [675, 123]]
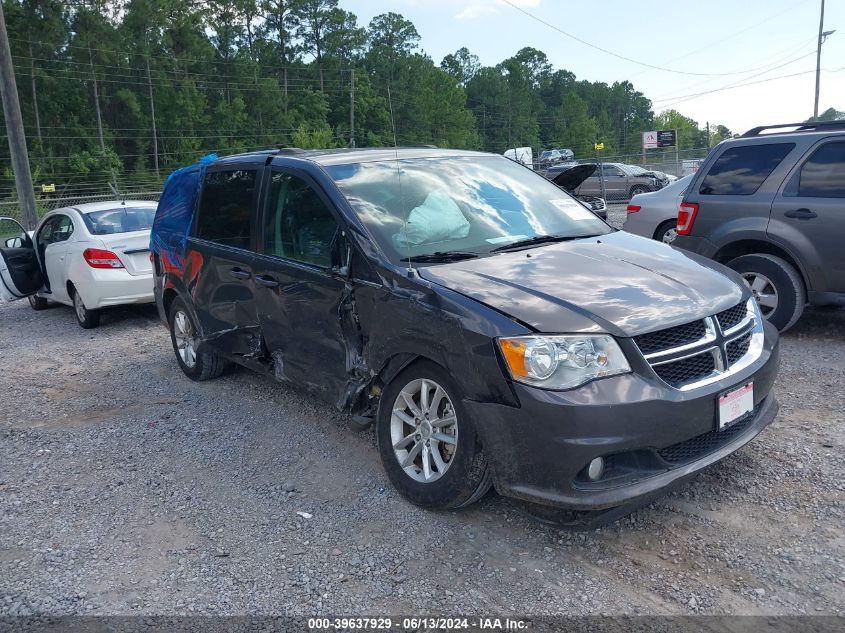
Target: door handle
[[238, 273], [801, 214], [267, 281]]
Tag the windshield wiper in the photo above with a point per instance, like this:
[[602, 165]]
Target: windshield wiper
[[540, 239], [440, 256]]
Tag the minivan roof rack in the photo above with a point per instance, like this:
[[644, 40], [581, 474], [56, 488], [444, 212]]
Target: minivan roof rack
[[818, 126]]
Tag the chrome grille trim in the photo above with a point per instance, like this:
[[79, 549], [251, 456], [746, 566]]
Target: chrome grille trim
[[715, 342]]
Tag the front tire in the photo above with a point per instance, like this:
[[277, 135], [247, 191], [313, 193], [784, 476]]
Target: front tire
[[38, 303], [86, 318], [184, 337], [776, 285], [428, 444]]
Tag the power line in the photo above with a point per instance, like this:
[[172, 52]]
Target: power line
[[614, 54]]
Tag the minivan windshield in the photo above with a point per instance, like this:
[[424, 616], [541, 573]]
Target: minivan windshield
[[463, 205]]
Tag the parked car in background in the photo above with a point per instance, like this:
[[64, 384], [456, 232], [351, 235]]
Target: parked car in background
[[620, 181], [494, 330], [662, 178], [90, 256], [771, 205], [570, 178], [551, 157], [655, 214]]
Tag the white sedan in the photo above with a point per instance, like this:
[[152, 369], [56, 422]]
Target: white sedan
[[655, 214], [90, 256]]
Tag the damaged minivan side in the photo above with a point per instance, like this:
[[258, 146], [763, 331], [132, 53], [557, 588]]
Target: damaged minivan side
[[495, 330]]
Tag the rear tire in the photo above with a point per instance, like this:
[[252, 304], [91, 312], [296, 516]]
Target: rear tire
[[183, 335], [38, 303], [637, 189], [86, 318], [666, 232], [458, 475], [776, 285]]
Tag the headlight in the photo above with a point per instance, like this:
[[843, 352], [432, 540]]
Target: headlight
[[562, 361]]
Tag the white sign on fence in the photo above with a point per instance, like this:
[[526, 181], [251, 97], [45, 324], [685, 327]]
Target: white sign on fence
[[650, 139]]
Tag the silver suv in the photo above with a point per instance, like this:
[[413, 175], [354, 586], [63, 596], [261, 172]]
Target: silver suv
[[771, 205]]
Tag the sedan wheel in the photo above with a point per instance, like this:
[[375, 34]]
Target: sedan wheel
[[183, 332], [424, 430], [764, 292], [87, 318]]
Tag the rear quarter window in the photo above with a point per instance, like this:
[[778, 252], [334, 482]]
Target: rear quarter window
[[226, 205], [739, 171], [823, 175]]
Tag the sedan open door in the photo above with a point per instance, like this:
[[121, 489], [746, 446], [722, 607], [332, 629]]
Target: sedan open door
[[20, 272]]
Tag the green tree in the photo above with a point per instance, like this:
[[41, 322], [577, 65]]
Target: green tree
[[462, 65]]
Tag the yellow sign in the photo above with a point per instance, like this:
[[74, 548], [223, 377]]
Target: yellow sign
[[48, 188], [599, 146]]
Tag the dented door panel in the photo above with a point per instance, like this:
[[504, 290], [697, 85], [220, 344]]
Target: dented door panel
[[299, 319]]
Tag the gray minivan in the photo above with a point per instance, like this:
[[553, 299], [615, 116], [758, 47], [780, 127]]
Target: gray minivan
[[495, 331], [771, 205]]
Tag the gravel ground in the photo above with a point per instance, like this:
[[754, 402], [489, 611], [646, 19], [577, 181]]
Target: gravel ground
[[125, 488]]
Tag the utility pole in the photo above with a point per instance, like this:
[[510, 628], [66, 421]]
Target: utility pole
[[14, 128], [819, 61], [97, 101], [352, 109], [709, 144], [152, 116], [35, 99]]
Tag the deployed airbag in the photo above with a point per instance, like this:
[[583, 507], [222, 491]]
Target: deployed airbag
[[437, 219]]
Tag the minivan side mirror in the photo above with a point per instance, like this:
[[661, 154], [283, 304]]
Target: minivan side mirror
[[340, 254]]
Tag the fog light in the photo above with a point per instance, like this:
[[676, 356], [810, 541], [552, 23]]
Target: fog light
[[596, 469]]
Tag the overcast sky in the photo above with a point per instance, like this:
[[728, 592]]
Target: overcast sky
[[744, 40]]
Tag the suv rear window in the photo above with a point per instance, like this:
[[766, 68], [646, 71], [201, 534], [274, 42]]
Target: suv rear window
[[740, 171], [225, 211]]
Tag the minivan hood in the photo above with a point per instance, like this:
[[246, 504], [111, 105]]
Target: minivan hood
[[618, 283]]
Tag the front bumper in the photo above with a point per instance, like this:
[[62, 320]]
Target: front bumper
[[651, 436]]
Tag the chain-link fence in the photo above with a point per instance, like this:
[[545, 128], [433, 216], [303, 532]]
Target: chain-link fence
[[46, 204]]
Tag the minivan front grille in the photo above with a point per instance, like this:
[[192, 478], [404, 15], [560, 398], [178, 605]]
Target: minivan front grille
[[732, 316], [685, 355], [686, 370], [671, 337], [738, 348]]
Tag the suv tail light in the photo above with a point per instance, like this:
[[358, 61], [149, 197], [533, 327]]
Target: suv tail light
[[633, 208], [100, 258], [686, 217]]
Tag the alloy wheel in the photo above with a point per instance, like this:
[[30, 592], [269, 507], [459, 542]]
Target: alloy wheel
[[183, 333], [81, 311], [764, 292], [670, 235], [424, 430]]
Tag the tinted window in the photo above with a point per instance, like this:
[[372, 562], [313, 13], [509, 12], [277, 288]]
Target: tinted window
[[299, 224], [120, 220], [823, 176], [422, 206], [740, 171], [225, 211]]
